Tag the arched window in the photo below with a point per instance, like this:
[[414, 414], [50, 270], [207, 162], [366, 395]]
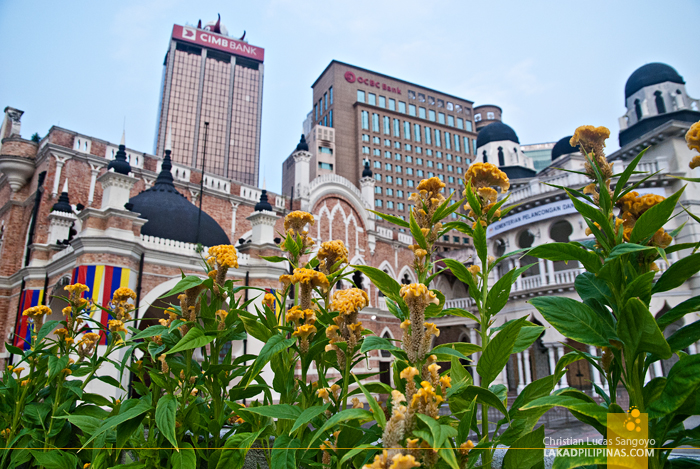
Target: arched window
[[500, 247], [660, 105], [525, 239], [560, 231], [386, 353], [638, 109], [406, 280], [357, 279], [501, 157], [486, 159]]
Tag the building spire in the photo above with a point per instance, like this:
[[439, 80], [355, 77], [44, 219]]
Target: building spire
[[63, 202], [119, 163], [169, 140]]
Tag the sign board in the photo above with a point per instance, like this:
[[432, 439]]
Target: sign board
[[205, 38]]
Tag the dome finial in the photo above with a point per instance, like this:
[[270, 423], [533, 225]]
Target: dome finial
[[63, 202], [123, 140], [119, 163], [366, 172], [169, 140], [302, 146], [263, 204]]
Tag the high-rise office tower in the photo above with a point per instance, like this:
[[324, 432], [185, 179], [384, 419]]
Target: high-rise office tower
[[209, 77]]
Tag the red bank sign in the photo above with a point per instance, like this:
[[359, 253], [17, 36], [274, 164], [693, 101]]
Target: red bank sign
[[351, 78], [211, 40]]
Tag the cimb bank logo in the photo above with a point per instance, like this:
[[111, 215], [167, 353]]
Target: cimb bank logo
[[189, 33]]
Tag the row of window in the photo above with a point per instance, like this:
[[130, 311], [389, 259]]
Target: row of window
[[389, 179], [413, 110], [415, 132], [397, 145], [419, 172], [323, 103]]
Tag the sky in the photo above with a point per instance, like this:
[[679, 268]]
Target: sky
[[96, 67]]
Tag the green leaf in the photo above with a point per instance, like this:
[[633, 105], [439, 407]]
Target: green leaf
[[55, 459], [654, 218], [678, 311], [572, 457], [458, 373], [194, 338], [567, 252], [627, 248], [272, 347], [499, 293], [465, 421], [391, 219], [255, 327], [526, 337], [519, 458], [483, 396], [186, 283], [461, 313], [45, 330], [640, 287], [386, 284], [639, 331], [445, 353], [626, 174], [677, 273], [308, 415], [595, 411], [275, 259], [343, 416], [683, 380], [278, 411], [373, 404], [575, 320], [460, 271], [416, 232], [166, 410], [185, 458], [538, 388], [56, 365], [498, 351], [684, 337], [284, 452], [235, 449], [480, 244], [372, 342], [143, 406], [151, 331]]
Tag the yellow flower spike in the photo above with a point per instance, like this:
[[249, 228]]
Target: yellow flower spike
[[116, 325], [590, 138], [446, 381], [431, 329], [402, 461], [225, 255], [349, 301], [295, 314], [295, 221], [406, 324], [483, 175], [269, 300], [465, 447], [335, 390], [418, 291], [409, 373], [18, 371], [323, 394], [356, 328], [123, 294], [330, 253], [474, 270], [356, 404], [37, 311], [75, 291], [309, 316], [304, 331], [432, 185], [310, 277], [692, 137]]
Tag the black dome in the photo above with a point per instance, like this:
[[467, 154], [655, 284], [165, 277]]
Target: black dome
[[302, 145], [366, 172], [119, 163], [494, 133], [651, 74], [263, 203], [171, 216], [563, 147]]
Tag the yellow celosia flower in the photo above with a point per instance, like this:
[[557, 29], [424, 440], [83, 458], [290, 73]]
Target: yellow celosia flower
[[349, 301], [295, 314], [269, 300], [590, 138], [402, 461], [483, 175], [409, 373], [692, 137], [379, 462], [323, 394], [310, 277], [335, 390], [356, 404], [474, 270], [356, 328], [76, 291], [431, 329], [286, 280], [225, 255], [18, 371], [330, 253], [304, 331], [418, 291], [37, 311], [296, 221], [465, 447], [116, 325], [123, 294], [695, 162]]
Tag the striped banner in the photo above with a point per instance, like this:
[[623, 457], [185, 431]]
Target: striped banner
[[103, 281], [23, 329]]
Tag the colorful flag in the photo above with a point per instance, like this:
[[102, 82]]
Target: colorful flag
[[23, 328]]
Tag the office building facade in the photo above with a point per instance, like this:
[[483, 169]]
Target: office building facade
[[211, 78]]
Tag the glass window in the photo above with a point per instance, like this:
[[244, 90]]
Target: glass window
[[387, 126], [365, 150], [382, 101], [416, 132], [448, 156], [409, 182], [466, 145], [328, 166], [448, 141], [411, 109], [458, 108], [460, 182], [389, 191], [360, 96], [421, 112], [365, 120], [387, 142], [378, 202], [408, 147], [399, 193], [429, 163], [457, 143], [330, 118], [431, 174], [409, 171], [411, 94], [375, 122], [428, 152], [449, 106], [441, 117], [325, 101], [376, 140], [378, 164], [459, 170], [397, 156], [376, 152], [402, 107], [419, 173], [421, 97], [419, 161], [377, 189], [438, 155], [451, 121], [474, 146], [428, 137], [315, 112], [451, 179], [460, 123], [431, 115], [392, 104], [399, 181], [468, 125], [419, 150], [372, 99], [397, 128], [378, 177], [387, 154], [465, 240], [326, 150], [477, 117], [407, 130], [365, 138], [390, 204], [388, 179], [458, 159], [397, 145], [330, 92], [441, 177], [490, 116], [325, 121], [450, 168], [440, 103], [431, 100], [398, 168], [438, 142], [399, 206], [387, 166]]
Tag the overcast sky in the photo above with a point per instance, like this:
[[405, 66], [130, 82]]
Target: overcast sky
[[551, 66]]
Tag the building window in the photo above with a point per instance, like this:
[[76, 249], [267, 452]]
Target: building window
[[438, 155], [389, 191], [375, 122], [400, 206], [428, 137], [660, 105], [411, 94], [451, 121], [325, 121], [378, 202], [387, 166], [441, 177], [365, 120], [449, 106], [441, 117], [458, 159], [402, 107], [460, 182], [328, 166], [448, 156], [501, 157], [407, 147], [460, 123], [419, 161], [378, 177], [421, 97], [397, 145], [468, 125], [399, 182], [397, 128], [398, 168], [409, 158], [407, 130], [365, 150], [360, 96], [419, 150], [438, 142], [490, 116], [440, 103], [477, 117], [390, 204], [450, 168], [411, 109], [315, 112], [459, 170], [376, 152], [325, 101], [382, 101], [376, 140], [457, 143], [421, 112], [431, 115], [326, 150], [485, 157], [399, 194], [388, 179], [430, 174], [377, 164], [392, 104], [330, 93], [473, 146], [458, 108], [451, 179], [428, 152], [397, 156], [409, 171], [387, 125], [416, 132], [365, 138], [387, 142], [419, 173], [377, 189], [330, 118], [387, 154], [439, 165], [372, 99], [429, 163], [431, 100], [448, 141]]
